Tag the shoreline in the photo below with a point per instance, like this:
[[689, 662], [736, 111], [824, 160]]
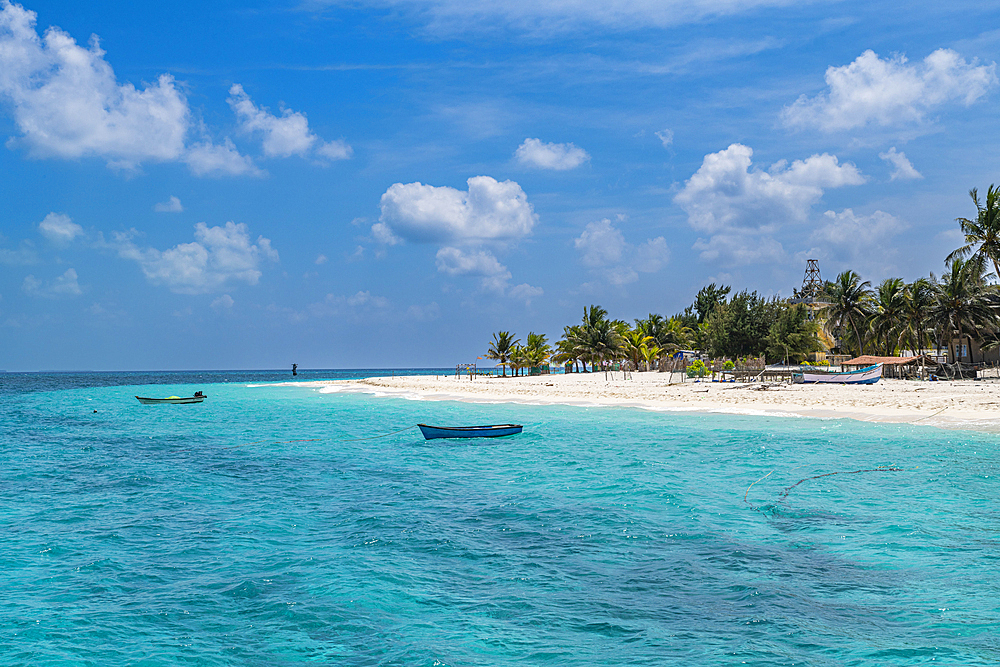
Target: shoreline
[[962, 404]]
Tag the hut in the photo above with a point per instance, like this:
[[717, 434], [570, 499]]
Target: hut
[[892, 367]]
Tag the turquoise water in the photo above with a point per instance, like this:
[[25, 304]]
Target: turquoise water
[[245, 531]]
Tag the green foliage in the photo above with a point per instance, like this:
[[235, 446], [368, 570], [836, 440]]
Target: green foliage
[[502, 348], [740, 328], [792, 335], [708, 299], [729, 365], [697, 369]]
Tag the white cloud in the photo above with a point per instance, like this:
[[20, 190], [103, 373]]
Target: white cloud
[[537, 16], [172, 205], [222, 303], [873, 91], [67, 102], [525, 292], [285, 135], [860, 242], [558, 157], [603, 249], [217, 257], [320, 259], [59, 229], [725, 193], [666, 137], [740, 206], [903, 169], [208, 159], [488, 212], [65, 285], [493, 275]]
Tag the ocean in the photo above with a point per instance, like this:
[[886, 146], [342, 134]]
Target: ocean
[[260, 528]]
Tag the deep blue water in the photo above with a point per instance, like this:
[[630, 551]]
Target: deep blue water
[[252, 530]]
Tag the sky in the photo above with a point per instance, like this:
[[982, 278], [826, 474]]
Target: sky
[[385, 183]]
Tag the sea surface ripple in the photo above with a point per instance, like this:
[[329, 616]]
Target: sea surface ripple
[[257, 529]]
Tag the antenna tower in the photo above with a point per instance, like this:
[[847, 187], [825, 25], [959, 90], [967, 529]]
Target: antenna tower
[[812, 283]]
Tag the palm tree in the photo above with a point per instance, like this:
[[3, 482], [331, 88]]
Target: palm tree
[[919, 297], [982, 235], [567, 348], [889, 314], [848, 307], [537, 350], [650, 354], [501, 348], [963, 304], [633, 341]]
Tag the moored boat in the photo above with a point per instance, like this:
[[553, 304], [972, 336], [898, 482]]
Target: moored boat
[[197, 398], [491, 431], [869, 375]]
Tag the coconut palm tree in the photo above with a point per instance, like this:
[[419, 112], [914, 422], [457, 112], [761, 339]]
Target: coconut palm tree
[[650, 353], [568, 348], [501, 348], [963, 304], [848, 308], [982, 235], [919, 297], [537, 350], [888, 314], [632, 342]]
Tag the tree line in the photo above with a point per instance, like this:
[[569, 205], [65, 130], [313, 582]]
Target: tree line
[[960, 306]]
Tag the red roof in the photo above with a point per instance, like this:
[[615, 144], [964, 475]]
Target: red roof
[[870, 360]]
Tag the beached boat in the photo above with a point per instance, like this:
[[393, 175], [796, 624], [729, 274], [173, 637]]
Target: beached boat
[[493, 431], [869, 375], [197, 398]]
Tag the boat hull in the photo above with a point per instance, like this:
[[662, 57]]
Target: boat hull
[[869, 375], [177, 400], [493, 431]]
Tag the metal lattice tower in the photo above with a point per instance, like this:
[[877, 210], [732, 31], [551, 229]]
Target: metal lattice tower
[[812, 283]]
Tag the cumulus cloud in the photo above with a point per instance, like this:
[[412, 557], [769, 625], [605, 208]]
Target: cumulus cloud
[[738, 206], [493, 275], [285, 135], [489, 211], [172, 205], [603, 249], [558, 157], [892, 91], [217, 257], [362, 302], [209, 159], [320, 259], [861, 242], [65, 285], [59, 229], [67, 102], [902, 168], [461, 222]]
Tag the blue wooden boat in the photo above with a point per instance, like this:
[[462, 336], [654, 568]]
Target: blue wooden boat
[[492, 431]]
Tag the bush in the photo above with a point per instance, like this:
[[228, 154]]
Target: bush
[[729, 365], [697, 369]]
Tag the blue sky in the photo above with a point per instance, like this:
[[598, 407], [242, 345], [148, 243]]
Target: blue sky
[[386, 183]]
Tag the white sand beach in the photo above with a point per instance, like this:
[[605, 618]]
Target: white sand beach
[[960, 404]]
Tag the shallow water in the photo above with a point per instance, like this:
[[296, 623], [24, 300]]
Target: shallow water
[[251, 530]]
